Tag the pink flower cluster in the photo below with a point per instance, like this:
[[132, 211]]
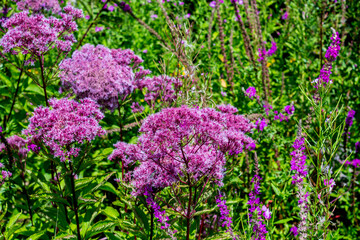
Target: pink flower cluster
[[101, 74], [17, 144], [162, 87], [35, 34], [38, 5], [64, 126], [184, 142]]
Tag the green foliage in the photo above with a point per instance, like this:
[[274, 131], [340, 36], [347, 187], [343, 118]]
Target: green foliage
[[34, 206]]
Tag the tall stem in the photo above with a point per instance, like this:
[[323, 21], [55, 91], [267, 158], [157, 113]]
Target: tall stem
[[75, 205], [188, 215], [41, 58], [152, 225], [92, 23], [27, 197], [6, 119]]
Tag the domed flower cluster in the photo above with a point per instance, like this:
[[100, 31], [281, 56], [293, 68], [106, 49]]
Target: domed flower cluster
[[64, 126], [38, 5], [35, 34], [101, 74], [184, 143]]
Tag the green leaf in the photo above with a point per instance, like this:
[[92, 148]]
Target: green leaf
[[283, 220], [276, 190], [12, 220], [111, 212], [36, 235], [99, 227]]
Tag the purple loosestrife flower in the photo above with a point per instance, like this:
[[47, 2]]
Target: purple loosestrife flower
[[64, 126], [267, 108], [349, 119], [35, 34], [331, 54], [257, 213], [289, 110], [101, 74], [272, 50], [111, 8], [262, 54], [357, 147], [225, 217], [251, 93], [285, 16], [298, 164], [160, 215], [261, 124], [294, 230], [184, 140], [355, 162], [38, 5]]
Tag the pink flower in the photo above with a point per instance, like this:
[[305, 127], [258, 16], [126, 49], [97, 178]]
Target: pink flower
[[101, 74], [65, 126], [179, 140], [38, 5], [35, 34], [99, 29], [294, 230]]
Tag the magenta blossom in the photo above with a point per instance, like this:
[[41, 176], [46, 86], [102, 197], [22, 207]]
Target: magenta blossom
[[35, 34], [64, 126], [225, 217], [101, 74], [251, 93], [38, 5], [184, 140]]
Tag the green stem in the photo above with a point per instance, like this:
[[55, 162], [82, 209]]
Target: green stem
[[75, 205]]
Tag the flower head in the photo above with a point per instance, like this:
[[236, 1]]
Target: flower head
[[179, 140], [38, 5], [101, 74], [35, 34], [64, 126]]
